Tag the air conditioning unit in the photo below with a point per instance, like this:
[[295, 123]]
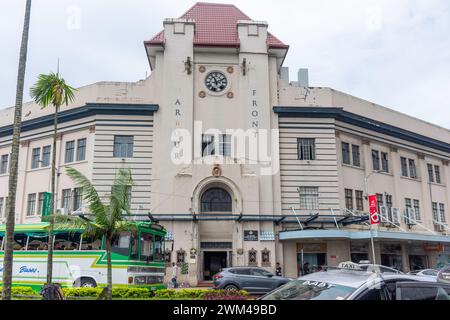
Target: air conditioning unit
[[389, 216], [439, 227], [395, 216], [410, 216], [384, 216], [61, 211]]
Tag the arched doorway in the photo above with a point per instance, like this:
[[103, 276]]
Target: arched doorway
[[216, 200]]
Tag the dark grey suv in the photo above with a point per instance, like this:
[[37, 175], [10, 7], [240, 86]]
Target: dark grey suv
[[254, 280]]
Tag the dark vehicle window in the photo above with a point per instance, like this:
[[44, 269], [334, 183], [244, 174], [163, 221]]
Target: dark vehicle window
[[242, 271], [261, 273], [121, 244], [430, 273], [419, 293], [426, 293], [372, 294], [391, 287]]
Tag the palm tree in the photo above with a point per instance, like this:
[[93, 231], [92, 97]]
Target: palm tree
[[51, 89], [105, 221], [12, 183]]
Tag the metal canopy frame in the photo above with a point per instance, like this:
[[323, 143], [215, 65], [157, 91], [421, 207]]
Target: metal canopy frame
[[307, 220]]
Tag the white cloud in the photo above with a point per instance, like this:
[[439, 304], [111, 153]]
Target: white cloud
[[395, 53]]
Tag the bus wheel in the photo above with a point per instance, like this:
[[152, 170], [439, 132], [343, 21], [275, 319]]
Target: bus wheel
[[88, 283]]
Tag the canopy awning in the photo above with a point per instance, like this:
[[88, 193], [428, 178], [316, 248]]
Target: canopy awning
[[361, 235]]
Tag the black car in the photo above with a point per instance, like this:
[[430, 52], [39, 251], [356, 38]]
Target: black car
[[254, 280]]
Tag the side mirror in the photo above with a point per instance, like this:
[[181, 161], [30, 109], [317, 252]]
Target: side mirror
[[270, 275]]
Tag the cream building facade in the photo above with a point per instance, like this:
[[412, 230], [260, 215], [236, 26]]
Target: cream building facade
[[242, 166]]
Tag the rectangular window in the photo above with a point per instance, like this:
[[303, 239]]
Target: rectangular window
[[417, 209], [376, 160], [31, 204], [384, 162], [408, 203], [349, 199], [46, 156], [225, 145], [123, 146], [40, 202], [4, 164], [66, 196], [359, 200], [430, 172], [389, 200], [70, 149], [437, 172], [77, 198], [211, 147], [404, 164], [345, 153], [379, 201], [309, 198], [356, 156], [81, 149], [306, 149], [412, 169], [35, 158], [1, 206], [442, 212], [434, 206]]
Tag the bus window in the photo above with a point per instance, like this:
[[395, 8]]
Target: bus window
[[159, 249], [134, 246], [146, 247], [121, 244]]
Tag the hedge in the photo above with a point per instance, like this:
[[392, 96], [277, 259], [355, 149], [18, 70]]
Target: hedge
[[22, 291], [118, 292], [142, 293]]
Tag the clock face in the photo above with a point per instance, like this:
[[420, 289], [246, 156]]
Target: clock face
[[216, 81]]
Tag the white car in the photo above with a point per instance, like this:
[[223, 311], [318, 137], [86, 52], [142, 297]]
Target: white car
[[429, 273]]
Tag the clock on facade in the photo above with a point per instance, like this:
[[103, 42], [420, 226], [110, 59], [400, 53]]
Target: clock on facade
[[216, 81]]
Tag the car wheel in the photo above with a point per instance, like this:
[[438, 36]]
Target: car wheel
[[88, 283], [231, 287]]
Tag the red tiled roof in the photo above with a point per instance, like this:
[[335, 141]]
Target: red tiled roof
[[215, 25]]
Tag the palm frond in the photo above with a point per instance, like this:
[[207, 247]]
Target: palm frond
[[119, 200], [51, 89], [90, 194]]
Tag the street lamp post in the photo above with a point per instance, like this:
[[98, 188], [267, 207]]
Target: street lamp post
[[366, 191]]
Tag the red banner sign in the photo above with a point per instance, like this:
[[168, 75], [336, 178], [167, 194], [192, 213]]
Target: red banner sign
[[373, 209]]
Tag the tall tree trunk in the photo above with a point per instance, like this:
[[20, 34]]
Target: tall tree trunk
[[12, 184], [52, 203], [109, 276]]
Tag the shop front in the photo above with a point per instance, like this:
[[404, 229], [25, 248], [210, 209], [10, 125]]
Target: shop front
[[391, 255], [311, 257], [359, 251]]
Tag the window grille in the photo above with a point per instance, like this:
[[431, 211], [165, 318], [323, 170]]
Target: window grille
[[309, 198], [306, 149]]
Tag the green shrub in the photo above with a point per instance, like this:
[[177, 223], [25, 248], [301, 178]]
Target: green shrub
[[82, 292], [117, 292], [22, 291]]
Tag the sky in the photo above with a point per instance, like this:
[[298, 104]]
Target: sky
[[393, 53]]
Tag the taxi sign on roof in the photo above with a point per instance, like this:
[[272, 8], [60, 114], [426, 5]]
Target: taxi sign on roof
[[349, 265]]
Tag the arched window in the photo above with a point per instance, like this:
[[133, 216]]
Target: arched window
[[216, 200]]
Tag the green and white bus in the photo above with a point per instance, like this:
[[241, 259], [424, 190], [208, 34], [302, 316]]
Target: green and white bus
[[137, 257]]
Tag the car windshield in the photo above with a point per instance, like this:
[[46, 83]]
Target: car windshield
[[310, 290]]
